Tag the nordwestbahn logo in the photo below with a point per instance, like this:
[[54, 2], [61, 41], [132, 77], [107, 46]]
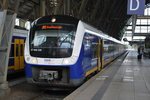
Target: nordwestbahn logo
[[136, 7]]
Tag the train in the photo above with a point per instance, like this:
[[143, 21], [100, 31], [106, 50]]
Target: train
[[62, 51], [16, 57]]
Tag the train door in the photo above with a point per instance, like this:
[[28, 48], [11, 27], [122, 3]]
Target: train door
[[100, 54], [21, 49], [18, 53]]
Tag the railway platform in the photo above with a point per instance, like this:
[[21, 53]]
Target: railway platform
[[127, 78]]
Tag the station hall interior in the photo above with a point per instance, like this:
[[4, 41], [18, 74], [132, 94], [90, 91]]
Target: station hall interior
[[116, 67]]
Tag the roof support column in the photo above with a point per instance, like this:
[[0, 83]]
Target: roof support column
[[134, 18], [82, 8], [5, 4], [16, 6], [59, 7], [68, 7], [43, 6], [95, 9], [6, 30]]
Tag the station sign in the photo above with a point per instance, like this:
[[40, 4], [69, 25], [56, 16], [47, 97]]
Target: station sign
[[136, 7]]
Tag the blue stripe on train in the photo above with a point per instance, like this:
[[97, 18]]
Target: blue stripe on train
[[17, 37]]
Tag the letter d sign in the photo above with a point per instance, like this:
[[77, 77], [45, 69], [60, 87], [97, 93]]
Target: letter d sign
[[136, 7]]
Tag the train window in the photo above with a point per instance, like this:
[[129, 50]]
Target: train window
[[17, 51], [87, 44], [53, 36], [105, 48], [94, 50], [53, 42], [12, 51], [21, 50]]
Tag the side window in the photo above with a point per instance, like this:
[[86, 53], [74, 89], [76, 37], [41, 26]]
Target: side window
[[11, 51], [94, 50], [87, 43], [106, 46], [17, 51], [21, 49]]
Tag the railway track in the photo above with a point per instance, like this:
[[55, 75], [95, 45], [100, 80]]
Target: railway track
[[51, 95], [25, 91], [21, 90]]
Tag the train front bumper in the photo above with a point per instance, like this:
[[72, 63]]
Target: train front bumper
[[67, 75]]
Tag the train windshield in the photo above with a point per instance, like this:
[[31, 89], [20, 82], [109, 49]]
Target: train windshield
[[52, 41]]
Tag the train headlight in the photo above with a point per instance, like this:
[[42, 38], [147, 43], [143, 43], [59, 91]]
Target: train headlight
[[70, 61], [34, 61], [66, 61], [53, 20]]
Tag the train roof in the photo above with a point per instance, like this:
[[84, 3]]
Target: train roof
[[20, 32], [58, 19], [94, 31], [72, 20], [19, 27]]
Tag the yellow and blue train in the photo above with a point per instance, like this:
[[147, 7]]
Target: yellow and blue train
[[62, 51], [16, 57]]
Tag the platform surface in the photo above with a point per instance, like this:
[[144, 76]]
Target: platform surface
[[127, 78]]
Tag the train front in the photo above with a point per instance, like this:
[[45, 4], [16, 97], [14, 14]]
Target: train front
[[49, 52]]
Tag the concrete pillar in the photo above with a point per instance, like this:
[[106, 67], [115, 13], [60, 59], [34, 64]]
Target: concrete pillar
[[2, 21], [6, 30]]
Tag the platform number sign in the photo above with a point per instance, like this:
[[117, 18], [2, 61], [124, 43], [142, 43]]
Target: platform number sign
[[136, 7]]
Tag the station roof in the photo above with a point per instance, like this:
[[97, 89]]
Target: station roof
[[110, 16]]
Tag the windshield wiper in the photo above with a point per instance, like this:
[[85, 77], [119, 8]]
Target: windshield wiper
[[70, 34]]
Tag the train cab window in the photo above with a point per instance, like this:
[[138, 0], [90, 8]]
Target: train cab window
[[65, 45], [17, 51], [12, 51], [94, 50], [21, 50], [54, 41]]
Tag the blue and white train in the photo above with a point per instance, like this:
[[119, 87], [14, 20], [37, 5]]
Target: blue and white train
[[63, 51]]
